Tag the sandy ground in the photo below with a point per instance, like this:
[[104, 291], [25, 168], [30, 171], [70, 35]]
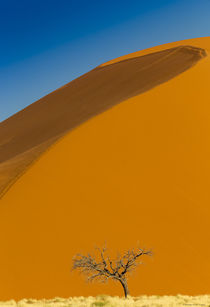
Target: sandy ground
[[137, 172], [102, 300]]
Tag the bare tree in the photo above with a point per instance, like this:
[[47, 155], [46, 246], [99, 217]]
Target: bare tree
[[103, 268]]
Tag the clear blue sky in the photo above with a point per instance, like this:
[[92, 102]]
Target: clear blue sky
[[46, 43]]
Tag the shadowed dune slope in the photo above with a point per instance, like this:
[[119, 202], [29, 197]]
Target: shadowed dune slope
[[138, 172], [24, 136]]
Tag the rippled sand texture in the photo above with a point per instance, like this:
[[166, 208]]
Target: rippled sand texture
[[129, 162]]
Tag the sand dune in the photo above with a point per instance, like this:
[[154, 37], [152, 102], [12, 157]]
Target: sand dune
[[137, 172], [24, 136]]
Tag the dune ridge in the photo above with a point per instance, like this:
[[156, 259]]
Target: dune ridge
[[195, 42], [27, 134], [138, 172]]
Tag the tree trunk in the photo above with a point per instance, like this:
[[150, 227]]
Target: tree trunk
[[125, 286]]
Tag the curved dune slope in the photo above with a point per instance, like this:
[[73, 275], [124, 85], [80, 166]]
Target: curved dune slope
[[138, 172], [24, 136]]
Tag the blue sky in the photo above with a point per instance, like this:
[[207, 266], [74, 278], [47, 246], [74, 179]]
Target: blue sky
[[46, 43]]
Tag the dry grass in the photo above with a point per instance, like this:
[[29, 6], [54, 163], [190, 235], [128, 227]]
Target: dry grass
[[108, 301]]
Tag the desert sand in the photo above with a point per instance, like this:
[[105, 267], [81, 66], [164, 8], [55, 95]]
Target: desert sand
[[27, 134], [121, 155], [108, 301]]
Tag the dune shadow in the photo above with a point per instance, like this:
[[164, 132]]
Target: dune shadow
[[89, 95]]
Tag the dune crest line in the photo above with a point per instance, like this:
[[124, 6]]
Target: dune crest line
[[28, 133]]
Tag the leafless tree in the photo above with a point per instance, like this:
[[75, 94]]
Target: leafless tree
[[103, 268]]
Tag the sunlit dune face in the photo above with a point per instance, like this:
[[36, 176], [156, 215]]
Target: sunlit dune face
[[137, 172], [30, 132]]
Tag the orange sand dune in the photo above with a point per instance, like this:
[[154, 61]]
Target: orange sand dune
[[137, 172], [24, 136]]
